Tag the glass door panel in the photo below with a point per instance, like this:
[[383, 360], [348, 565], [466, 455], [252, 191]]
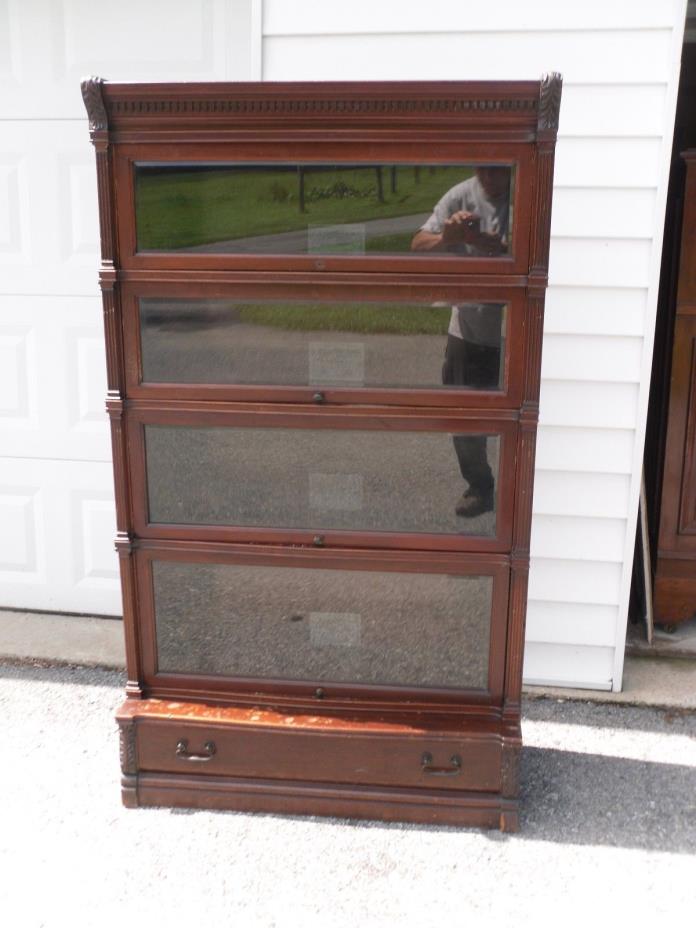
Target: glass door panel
[[326, 625], [310, 208], [338, 479], [322, 344]]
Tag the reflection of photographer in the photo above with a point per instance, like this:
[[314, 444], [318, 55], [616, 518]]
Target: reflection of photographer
[[471, 220]]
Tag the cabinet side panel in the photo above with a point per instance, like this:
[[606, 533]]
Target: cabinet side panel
[[92, 93]]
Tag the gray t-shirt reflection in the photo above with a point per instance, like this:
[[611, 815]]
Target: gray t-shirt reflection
[[477, 323]]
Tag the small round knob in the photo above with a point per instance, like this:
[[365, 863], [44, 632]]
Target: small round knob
[[319, 693], [318, 541], [318, 397]]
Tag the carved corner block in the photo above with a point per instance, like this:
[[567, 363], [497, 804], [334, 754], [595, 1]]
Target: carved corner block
[[127, 748], [549, 102], [91, 88]]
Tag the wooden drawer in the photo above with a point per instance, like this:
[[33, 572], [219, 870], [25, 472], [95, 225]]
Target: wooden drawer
[[431, 761]]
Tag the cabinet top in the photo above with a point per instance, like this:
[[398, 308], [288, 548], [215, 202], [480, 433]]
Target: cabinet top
[[509, 110]]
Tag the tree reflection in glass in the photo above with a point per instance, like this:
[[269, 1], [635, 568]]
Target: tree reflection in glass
[[301, 208]]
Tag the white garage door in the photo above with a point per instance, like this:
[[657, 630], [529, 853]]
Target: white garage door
[[56, 491]]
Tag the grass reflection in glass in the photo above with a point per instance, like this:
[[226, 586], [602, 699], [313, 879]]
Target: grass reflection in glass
[[383, 318], [179, 207]]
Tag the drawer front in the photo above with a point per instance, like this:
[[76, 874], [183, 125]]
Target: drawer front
[[419, 760]]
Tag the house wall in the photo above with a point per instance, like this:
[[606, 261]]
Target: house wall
[[620, 64]]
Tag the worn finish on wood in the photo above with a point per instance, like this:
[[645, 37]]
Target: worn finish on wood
[[404, 753], [675, 572], [127, 744]]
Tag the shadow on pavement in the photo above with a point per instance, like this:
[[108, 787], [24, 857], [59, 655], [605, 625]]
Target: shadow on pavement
[[669, 721], [574, 798]]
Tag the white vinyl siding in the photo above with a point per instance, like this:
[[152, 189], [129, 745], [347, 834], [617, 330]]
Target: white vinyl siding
[[312, 18], [620, 65], [572, 665]]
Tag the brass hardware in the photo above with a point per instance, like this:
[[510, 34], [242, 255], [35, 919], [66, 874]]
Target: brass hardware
[[319, 693], [318, 541], [183, 752], [318, 397], [452, 771]]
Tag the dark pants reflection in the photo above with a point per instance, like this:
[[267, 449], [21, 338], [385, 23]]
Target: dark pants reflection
[[477, 367]]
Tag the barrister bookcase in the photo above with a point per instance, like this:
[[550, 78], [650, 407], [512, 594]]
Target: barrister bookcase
[[323, 307]]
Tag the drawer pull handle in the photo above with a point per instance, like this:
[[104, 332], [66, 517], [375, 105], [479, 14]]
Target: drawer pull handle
[[182, 751], [451, 771]]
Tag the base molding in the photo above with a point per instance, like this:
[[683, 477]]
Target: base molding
[[387, 804]]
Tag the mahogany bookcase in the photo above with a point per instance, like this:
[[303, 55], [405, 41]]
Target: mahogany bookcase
[[323, 532]]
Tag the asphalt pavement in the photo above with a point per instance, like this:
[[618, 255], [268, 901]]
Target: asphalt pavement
[[608, 831], [315, 237]]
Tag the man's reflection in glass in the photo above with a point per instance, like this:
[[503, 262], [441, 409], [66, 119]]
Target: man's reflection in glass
[[471, 219]]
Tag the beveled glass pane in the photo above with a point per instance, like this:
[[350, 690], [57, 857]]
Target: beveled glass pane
[[410, 629], [383, 481], [323, 344], [461, 210]]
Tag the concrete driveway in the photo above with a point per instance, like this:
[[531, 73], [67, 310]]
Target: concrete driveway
[[608, 831]]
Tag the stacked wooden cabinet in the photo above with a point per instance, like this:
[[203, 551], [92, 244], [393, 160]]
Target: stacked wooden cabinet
[[323, 308], [675, 568]]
